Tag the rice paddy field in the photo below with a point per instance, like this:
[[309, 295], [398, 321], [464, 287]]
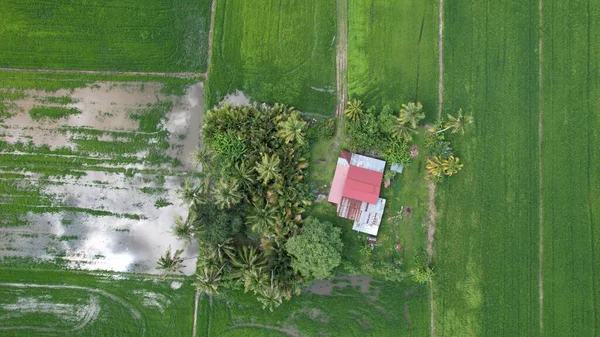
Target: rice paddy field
[[275, 52], [156, 35], [344, 306], [62, 303], [89, 172], [518, 223], [392, 52]]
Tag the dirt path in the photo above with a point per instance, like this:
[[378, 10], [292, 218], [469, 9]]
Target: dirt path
[[285, 331], [432, 210], [210, 36], [541, 208], [341, 57], [196, 299], [106, 72]]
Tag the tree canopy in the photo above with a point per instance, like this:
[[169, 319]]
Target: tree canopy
[[316, 251]]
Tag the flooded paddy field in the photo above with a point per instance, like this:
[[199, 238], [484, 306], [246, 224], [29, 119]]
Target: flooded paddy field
[[89, 175]]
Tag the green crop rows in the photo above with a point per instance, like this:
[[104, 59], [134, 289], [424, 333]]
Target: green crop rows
[[388, 309], [275, 52], [98, 305], [488, 244], [392, 51], [157, 35], [571, 168]]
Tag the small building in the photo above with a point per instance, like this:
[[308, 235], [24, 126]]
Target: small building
[[355, 190]]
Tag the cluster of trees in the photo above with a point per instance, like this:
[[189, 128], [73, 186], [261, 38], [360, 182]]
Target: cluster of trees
[[246, 214], [442, 161], [384, 131]]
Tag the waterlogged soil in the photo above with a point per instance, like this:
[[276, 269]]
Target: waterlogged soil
[[108, 242], [325, 287]]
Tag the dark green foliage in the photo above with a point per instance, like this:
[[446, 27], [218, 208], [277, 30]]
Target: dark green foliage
[[43, 112], [214, 226], [316, 251]]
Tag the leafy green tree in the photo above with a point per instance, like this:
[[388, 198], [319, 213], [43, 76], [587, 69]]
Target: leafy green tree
[[354, 110], [293, 129], [244, 175], [171, 263], [316, 251], [213, 226], [412, 114], [268, 168], [386, 121]]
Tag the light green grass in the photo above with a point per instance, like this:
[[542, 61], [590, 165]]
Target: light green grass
[[156, 35], [571, 161], [392, 51], [275, 52], [486, 243], [163, 311], [388, 309]]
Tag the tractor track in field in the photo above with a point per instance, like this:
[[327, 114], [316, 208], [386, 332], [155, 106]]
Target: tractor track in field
[[106, 72], [210, 37], [540, 175]]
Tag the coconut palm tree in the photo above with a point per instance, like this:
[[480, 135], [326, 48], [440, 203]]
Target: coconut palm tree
[[227, 193], [451, 165], [202, 156], [189, 193], [434, 166], [183, 230], [458, 123], [268, 168], [412, 114], [254, 280], [354, 110], [208, 280], [402, 130], [171, 263], [247, 258], [220, 251], [270, 296], [292, 129], [242, 172], [263, 219]]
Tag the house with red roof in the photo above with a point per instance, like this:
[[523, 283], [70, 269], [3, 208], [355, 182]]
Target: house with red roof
[[355, 190]]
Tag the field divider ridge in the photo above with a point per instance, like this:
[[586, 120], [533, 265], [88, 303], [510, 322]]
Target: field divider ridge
[[106, 72]]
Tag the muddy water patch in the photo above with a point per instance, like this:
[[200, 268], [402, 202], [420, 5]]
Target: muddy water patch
[[326, 287]]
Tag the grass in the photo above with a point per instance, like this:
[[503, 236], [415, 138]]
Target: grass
[[157, 35], [388, 309], [50, 112], [392, 51], [486, 245], [570, 161], [120, 298], [275, 52]]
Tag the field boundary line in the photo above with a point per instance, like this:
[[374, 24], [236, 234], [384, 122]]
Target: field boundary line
[[540, 175], [106, 72], [196, 299], [341, 57], [210, 38], [441, 59]]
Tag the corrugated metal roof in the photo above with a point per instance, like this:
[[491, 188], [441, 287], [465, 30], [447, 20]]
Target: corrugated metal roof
[[362, 184], [339, 180], [367, 162]]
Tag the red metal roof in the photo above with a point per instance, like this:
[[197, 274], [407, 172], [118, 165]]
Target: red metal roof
[[362, 184], [337, 185]]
